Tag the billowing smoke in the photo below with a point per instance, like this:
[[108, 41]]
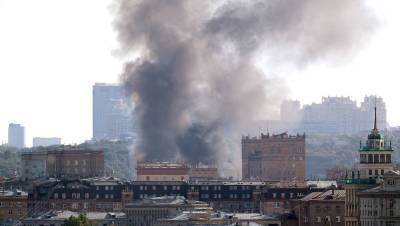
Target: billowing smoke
[[195, 85]]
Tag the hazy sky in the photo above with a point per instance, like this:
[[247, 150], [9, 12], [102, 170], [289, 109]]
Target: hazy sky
[[52, 52]]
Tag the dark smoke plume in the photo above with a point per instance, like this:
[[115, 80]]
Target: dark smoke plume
[[195, 85]]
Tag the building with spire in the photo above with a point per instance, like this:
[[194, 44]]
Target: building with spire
[[375, 162]]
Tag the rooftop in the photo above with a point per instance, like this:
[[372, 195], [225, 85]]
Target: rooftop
[[164, 201], [327, 195], [61, 215]]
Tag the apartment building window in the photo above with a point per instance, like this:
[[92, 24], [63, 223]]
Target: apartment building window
[[112, 196], [106, 196], [97, 196], [76, 162], [55, 195], [141, 188], [106, 188], [232, 187], [86, 195], [291, 195], [97, 188], [338, 219], [178, 187], [319, 219], [74, 205], [63, 196], [277, 205], [86, 205], [153, 187], [274, 195], [328, 219], [204, 188], [283, 195], [165, 188]]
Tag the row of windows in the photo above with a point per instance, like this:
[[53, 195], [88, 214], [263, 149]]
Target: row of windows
[[318, 209], [78, 196], [76, 162], [219, 188], [219, 196], [283, 195], [111, 188], [174, 188], [327, 219]]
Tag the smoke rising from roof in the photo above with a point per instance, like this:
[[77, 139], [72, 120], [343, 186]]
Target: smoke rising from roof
[[195, 85]]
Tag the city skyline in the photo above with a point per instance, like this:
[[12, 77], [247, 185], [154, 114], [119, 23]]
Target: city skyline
[[57, 79]]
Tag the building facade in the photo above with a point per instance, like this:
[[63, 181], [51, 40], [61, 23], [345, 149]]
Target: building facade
[[62, 162], [321, 208], [94, 194], [16, 135], [375, 161], [274, 157], [112, 113], [13, 206], [33, 165], [380, 205], [162, 171], [277, 201], [75, 163], [149, 210]]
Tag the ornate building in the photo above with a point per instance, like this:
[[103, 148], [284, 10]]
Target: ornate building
[[380, 206], [375, 161]]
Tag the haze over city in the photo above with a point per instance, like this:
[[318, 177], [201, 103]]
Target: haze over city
[[52, 55]]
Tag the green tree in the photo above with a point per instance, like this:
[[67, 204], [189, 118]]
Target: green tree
[[81, 220]]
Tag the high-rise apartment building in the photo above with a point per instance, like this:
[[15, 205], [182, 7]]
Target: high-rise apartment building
[[16, 135], [274, 157], [334, 115], [112, 112]]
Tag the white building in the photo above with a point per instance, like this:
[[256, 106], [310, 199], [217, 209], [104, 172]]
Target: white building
[[16, 135], [45, 141]]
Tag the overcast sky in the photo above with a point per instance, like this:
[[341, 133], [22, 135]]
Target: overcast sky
[[52, 52]]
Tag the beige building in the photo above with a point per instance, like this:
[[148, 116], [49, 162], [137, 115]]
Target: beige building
[[380, 206], [274, 157], [62, 162], [375, 161], [321, 208], [13, 206], [162, 171]]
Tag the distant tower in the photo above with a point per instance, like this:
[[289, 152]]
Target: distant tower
[[16, 135], [375, 157]]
